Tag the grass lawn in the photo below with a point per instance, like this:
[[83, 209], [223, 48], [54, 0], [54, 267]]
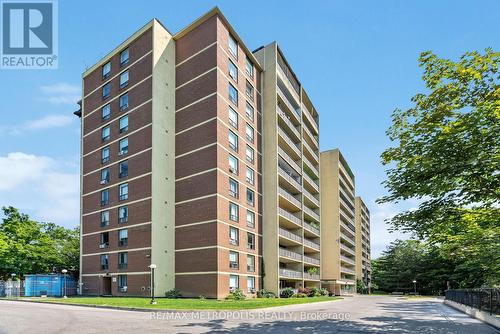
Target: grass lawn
[[185, 303]]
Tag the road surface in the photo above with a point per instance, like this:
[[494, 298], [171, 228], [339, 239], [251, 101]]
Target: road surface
[[361, 314]]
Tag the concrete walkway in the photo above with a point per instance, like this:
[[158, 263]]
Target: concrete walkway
[[361, 314]]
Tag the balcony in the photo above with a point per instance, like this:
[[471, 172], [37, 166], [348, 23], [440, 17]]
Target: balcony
[[311, 277], [313, 215], [313, 138], [348, 239], [347, 260], [289, 160], [288, 273], [288, 123], [347, 249], [310, 166], [346, 178], [347, 221], [346, 207], [310, 118], [311, 260], [289, 143], [309, 227], [285, 78], [290, 179], [294, 112], [283, 252], [311, 198], [311, 244], [312, 153], [290, 198], [347, 270], [290, 217], [313, 184], [289, 235]]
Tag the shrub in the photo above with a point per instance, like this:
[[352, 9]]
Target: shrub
[[305, 291], [312, 270], [324, 292], [314, 292], [299, 295], [286, 293], [202, 297], [173, 294], [265, 294], [236, 294]]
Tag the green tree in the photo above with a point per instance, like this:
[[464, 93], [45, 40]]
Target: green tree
[[447, 155]]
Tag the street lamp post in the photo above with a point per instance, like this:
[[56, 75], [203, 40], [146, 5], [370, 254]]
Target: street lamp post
[[64, 271], [152, 267], [415, 286]]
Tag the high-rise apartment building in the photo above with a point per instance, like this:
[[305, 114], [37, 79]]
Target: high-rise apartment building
[[290, 172], [338, 227], [363, 262]]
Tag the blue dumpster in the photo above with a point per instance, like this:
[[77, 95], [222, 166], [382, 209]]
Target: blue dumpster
[[51, 285]]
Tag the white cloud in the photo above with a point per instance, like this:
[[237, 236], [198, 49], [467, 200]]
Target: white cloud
[[40, 186], [49, 121], [61, 93]]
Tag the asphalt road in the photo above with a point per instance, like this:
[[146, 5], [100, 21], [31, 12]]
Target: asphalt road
[[363, 314]]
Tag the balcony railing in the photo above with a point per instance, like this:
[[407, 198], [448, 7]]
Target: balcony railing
[[289, 178], [311, 119], [294, 111], [347, 249], [308, 276], [291, 198], [288, 122], [289, 216], [313, 137], [347, 260], [348, 238], [311, 244], [309, 227], [312, 182], [311, 197], [295, 148], [313, 152], [290, 235], [290, 273], [311, 167], [346, 220], [289, 160], [347, 270], [311, 213], [290, 254], [311, 260]]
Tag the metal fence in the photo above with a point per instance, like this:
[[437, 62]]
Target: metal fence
[[486, 300], [11, 289]]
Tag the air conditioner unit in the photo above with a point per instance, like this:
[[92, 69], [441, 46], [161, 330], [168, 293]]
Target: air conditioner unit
[[232, 170], [104, 181], [120, 153], [103, 245], [123, 289]]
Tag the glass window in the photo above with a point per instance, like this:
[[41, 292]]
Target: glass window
[[122, 283], [123, 214], [106, 90], [249, 132], [233, 212], [233, 235], [233, 94], [104, 218], [124, 102], [233, 118], [104, 262], [123, 124], [233, 141], [105, 176], [251, 284], [124, 79], [106, 112], [250, 175], [105, 155], [250, 241], [250, 219], [233, 164], [122, 260], [233, 188], [250, 197], [233, 46], [250, 154], [123, 169], [123, 146], [106, 70], [250, 263], [233, 260], [122, 237], [105, 133], [249, 111], [249, 90], [123, 191], [104, 240], [233, 70], [249, 67], [234, 282], [105, 197], [124, 57]]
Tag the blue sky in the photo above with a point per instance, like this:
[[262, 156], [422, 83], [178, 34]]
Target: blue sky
[[357, 60]]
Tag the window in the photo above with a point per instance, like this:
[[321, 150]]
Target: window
[[122, 237], [104, 262], [124, 102], [124, 79], [122, 283], [233, 188], [233, 236], [233, 94], [250, 263], [105, 133], [105, 155], [249, 132], [249, 90], [104, 218], [233, 164], [233, 260], [250, 197], [249, 67], [249, 154], [106, 70], [234, 282], [233, 46], [104, 240], [233, 141], [250, 241], [233, 212], [250, 175], [123, 124], [123, 214], [106, 112], [123, 146], [104, 197], [106, 90], [124, 57], [249, 111], [123, 191], [250, 219], [105, 176], [251, 284], [123, 169], [233, 118], [233, 70], [122, 260]]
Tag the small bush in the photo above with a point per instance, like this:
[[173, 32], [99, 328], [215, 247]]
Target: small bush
[[265, 294], [173, 294], [202, 297], [305, 291], [314, 292], [286, 293], [324, 292], [236, 294], [299, 295]]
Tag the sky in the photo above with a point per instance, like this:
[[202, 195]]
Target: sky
[[358, 61]]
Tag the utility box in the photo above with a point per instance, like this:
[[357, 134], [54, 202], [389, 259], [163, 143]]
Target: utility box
[[51, 285]]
